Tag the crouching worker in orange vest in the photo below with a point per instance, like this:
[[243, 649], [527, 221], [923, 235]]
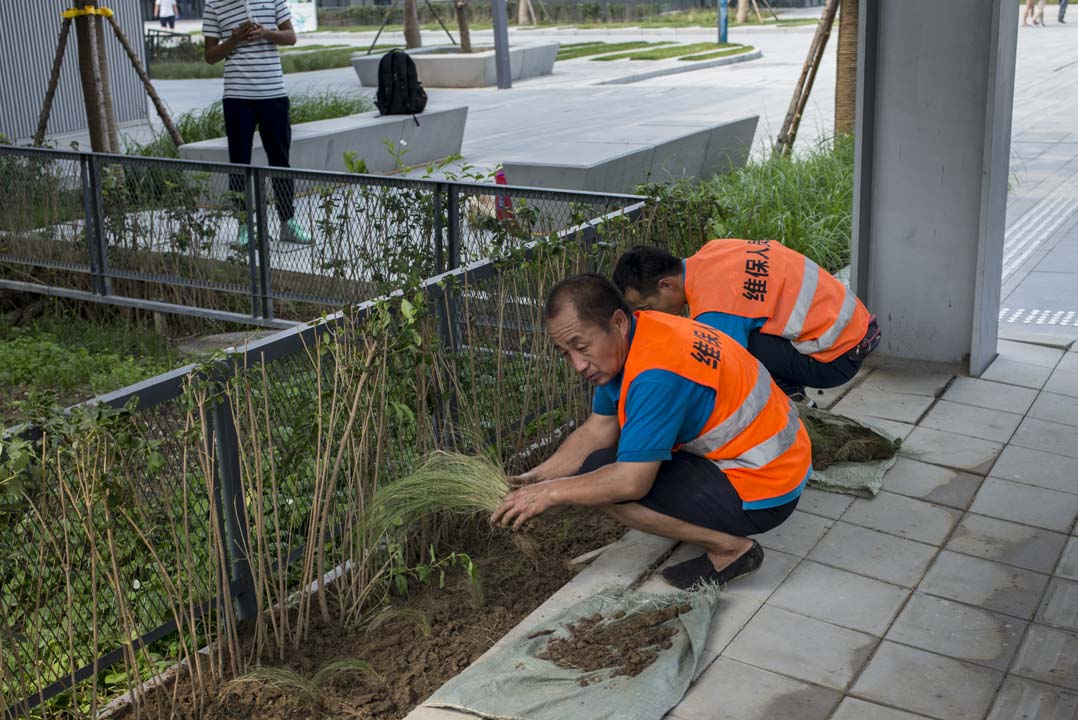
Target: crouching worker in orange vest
[[688, 437], [804, 325]]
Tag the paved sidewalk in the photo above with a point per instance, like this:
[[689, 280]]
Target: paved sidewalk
[[953, 594]]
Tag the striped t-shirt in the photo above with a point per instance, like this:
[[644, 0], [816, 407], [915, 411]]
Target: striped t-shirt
[[253, 70]]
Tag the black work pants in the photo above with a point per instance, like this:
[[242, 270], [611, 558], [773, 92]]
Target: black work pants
[[693, 489], [1062, 9], [793, 371], [270, 116]]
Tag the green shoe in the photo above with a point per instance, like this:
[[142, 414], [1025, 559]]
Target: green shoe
[[291, 232]]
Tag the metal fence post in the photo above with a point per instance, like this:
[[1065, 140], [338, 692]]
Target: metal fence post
[[232, 508], [452, 263], [262, 234], [251, 178], [92, 203], [439, 229]]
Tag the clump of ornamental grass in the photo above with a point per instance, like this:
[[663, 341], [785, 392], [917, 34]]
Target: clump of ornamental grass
[[444, 482]]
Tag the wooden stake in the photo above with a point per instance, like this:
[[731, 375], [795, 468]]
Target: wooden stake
[[162, 112], [785, 142], [111, 129], [54, 80]]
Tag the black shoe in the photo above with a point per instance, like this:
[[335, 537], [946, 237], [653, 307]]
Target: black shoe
[[700, 571]]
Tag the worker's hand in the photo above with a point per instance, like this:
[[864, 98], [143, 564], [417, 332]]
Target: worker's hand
[[522, 505]]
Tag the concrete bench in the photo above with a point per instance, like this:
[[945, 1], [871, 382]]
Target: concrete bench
[[321, 145], [444, 66], [619, 159]]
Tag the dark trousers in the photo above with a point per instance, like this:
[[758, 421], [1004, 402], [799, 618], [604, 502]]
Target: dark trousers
[[275, 129], [693, 489], [1062, 9], [169, 22], [793, 371]]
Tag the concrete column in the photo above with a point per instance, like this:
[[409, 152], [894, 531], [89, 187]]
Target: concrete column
[[934, 99]]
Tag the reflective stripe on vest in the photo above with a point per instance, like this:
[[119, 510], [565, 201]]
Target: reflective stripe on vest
[[769, 450], [721, 435], [825, 341], [753, 430]]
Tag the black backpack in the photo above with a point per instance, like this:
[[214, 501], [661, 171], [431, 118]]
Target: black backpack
[[399, 89]]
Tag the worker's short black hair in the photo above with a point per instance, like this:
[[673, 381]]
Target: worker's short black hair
[[594, 298], [641, 268]]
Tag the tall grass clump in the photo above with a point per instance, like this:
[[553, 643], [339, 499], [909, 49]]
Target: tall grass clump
[[208, 123], [804, 201], [444, 482]]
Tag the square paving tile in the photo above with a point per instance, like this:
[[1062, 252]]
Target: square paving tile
[[958, 631], [1017, 373], [1056, 408], [1063, 383], [1027, 700], [797, 535], [839, 597], [909, 380], [926, 683], [1048, 436], [875, 554], [1068, 563], [824, 503], [1036, 467], [743, 598], [892, 429], [1069, 363], [749, 693], [1006, 542], [934, 483], [986, 584], [801, 647], [951, 450], [1049, 655], [852, 708], [991, 395], [902, 407], [1029, 353], [976, 422], [1060, 605], [1026, 504], [903, 516]]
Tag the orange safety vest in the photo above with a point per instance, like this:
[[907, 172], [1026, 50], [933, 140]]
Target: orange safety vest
[[763, 278], [754, 433]]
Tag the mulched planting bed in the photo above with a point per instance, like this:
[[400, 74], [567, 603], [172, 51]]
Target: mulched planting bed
[[410, 665]]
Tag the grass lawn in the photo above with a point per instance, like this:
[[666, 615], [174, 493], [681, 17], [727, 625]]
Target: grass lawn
[[579, 50], [293, 60], [736, 50], [671, 51]]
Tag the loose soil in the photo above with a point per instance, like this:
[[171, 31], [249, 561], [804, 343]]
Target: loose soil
[[628, 645], [410, 665], [836, 440]]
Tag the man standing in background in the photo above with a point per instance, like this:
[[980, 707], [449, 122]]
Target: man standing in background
[[166, 11], [1062, 11], [245, 34]]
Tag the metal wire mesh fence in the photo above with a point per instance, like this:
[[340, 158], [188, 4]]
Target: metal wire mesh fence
[[212, 494], [260, 245]]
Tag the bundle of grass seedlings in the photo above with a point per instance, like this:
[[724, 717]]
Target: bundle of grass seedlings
[[444, 482], [839, 439]]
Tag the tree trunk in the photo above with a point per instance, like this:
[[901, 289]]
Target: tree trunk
[[91, 81], [846, 70], [106, 85], [412, 38], [742, 11], [462, 26]]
